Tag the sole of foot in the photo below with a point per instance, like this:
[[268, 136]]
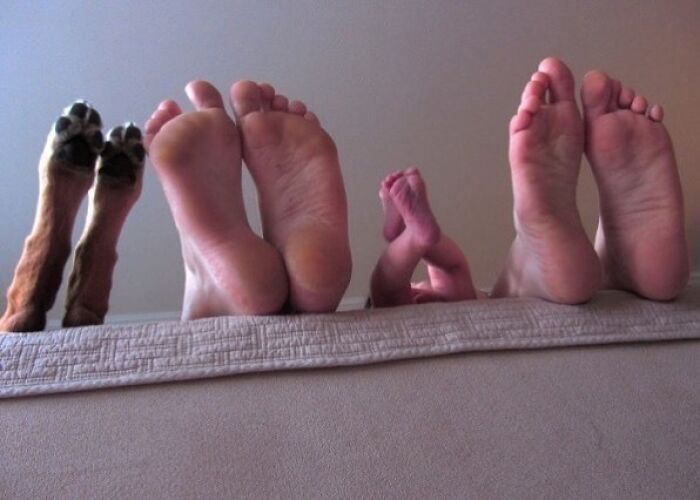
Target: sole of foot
[[116, 190], [641, 237], [393, 223], [551, 257], [409, 197], [197, 157], [303, 208], [66, 173]]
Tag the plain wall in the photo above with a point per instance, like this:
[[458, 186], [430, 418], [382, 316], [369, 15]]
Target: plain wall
[[396, 83]]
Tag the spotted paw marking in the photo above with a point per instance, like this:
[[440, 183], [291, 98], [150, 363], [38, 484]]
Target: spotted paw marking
[[77, 136], [123, 153]]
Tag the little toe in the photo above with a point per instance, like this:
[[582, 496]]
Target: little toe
[[639, 105], [520, 122], [596, 93], [246, 98], [656, 113], [280, 103], [311, 116], [561, 87], [297, 108], [203, 95]]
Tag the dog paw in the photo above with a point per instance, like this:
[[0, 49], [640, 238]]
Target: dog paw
[[78, 137], [123, 154]]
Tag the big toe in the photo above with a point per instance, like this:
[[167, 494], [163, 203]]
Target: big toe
[[561, 79], [596, 93], [203, 95], [246, 97]]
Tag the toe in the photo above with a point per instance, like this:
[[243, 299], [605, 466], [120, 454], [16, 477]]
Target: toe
[[520, 122], [310, 116], [656, 113], [267, 94], [534, 89], [280, 103], [530, 104], [538, 76], [297, 107], [626, 97], [561, 79], [203, 95], [596, 93], [166, 111], [246, 98], [639, 105]]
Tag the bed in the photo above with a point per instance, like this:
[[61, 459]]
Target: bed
[[484, 399]]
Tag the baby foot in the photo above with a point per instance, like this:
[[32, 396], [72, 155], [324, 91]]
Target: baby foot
[[118, 187], [551, 256], [409, 197], [294, 164], [393, 223], [197, 156], [66, 171], [641, 237]]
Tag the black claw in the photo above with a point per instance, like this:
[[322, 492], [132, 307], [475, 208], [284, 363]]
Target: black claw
[[97, 141], [79, 109], [132, 132], [62, 124], [139, 152], [95, 118]]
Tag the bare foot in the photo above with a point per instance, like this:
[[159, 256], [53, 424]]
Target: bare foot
[[197, 156], [393, 223], [551, 256], [294, 164], [66, 172], [409, 197], [118, 186], [641, 238]]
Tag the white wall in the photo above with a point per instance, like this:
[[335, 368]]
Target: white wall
[[395, 82]]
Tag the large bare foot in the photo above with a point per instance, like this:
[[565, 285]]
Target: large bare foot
[[118, 187], [551, 256], [641, 238], [294, 164], [66, 172], [197, 156]]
